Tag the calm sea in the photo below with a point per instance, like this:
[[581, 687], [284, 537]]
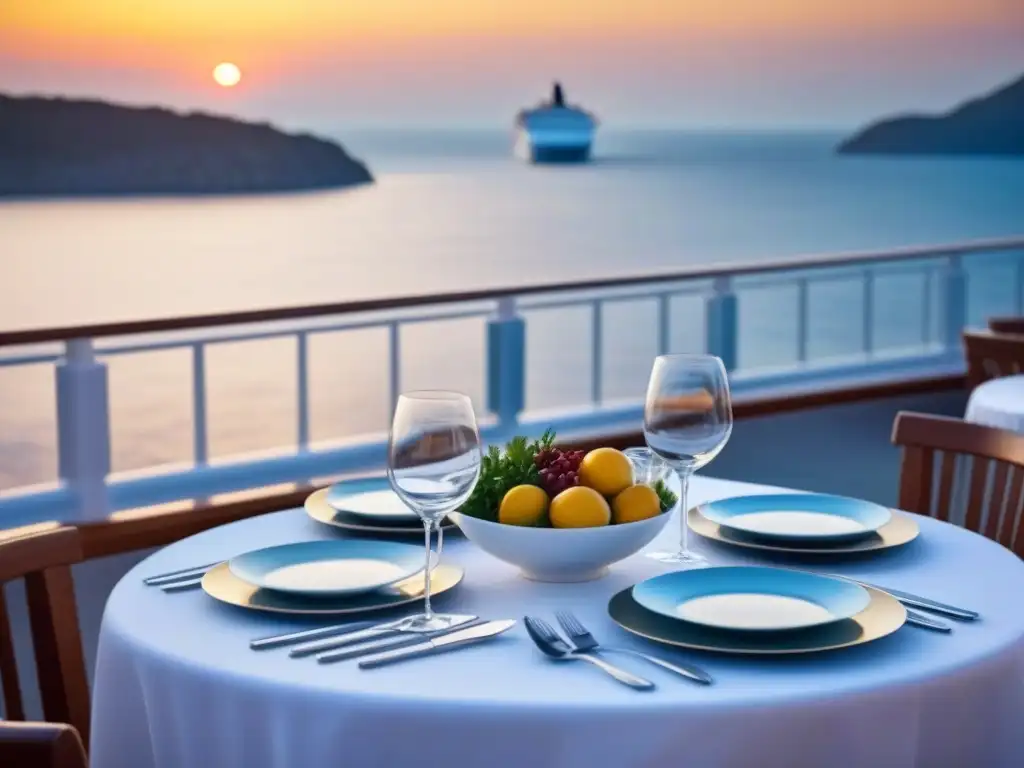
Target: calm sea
[[453, 210]]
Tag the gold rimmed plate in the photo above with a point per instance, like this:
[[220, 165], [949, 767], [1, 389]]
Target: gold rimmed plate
[[319, 508], [883, 616], [221, 584], [901, 529]]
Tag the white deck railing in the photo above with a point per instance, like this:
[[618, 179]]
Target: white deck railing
[[86, 489]]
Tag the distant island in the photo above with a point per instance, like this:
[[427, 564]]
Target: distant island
[[60, 147], [990, 125]]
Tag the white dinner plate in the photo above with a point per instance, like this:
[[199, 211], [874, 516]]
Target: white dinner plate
[[370, 498], [798, 517], [332, 567], [749, 598]]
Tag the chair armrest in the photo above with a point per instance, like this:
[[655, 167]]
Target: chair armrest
[[40, 745]]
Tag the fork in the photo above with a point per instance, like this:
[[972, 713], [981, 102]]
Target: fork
[[552, 644], [586, 643]]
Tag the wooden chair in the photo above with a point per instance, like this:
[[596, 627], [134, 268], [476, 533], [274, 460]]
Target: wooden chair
[[43, 560], [991, 355], [1011, 325], [995, 483], [40, 745]]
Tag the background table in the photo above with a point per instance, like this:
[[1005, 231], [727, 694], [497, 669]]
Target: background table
[[998, 403], [177, 687]]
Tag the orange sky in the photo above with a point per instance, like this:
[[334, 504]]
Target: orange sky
[[397, 44]]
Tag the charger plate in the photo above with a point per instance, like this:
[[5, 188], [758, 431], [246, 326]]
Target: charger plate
[[883, 616], [318, 508], [900, 530], [221, 584]]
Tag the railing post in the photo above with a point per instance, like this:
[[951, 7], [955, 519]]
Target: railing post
[[506, 364], [721, 316], [954, 305], [83, 428]]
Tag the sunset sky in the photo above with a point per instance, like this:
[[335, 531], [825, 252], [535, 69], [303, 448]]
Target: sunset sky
[[684, 62]]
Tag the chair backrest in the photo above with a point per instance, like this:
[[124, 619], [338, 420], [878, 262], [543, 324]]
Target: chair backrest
[[991, 355], [1011, 325], [40, 745], [994, 481], [43, 560]]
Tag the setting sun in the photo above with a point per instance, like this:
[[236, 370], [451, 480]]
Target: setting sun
[[227, 74]]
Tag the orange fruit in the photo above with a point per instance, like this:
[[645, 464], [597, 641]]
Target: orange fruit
[[579, 507], [523, 505], [607, 471], [638, 502]]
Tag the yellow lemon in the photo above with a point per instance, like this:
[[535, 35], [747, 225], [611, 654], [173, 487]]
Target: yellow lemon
[[579, 507], [607, 471], [523, 505], [638, 502]]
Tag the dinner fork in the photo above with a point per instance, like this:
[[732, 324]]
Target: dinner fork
[[551, 644], [585, 643]]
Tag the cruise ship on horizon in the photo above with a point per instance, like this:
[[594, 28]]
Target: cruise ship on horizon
[[555, 132]]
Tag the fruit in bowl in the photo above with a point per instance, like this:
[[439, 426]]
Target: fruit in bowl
[[563, 515]]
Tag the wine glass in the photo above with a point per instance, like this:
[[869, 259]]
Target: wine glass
[[434, 461], [687, 422]]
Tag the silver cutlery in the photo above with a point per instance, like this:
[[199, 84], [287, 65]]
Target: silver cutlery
[[380, 630], [916, 601], [585, 642], [179, 575], [926, 622], [387, 643], [277, 641], [552, 645], [449, 642], [182, 586]]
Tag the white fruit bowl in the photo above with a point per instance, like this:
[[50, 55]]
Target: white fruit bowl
[[563, 554]]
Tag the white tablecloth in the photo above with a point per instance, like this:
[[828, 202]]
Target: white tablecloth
[[998, 403], [177, 687]]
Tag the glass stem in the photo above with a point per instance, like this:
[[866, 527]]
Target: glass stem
[[428, 612], [684, 529]]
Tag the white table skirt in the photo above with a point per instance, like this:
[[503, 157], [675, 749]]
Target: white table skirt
[[177, 687], [998, 403]]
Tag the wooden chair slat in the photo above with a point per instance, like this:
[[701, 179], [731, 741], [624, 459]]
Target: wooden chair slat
[[991, 355], [14, 708], [947, 475], [995, 452], [917, 470], [40, 745], [976, 493], [1008, 537], [995, 508], [60, 662]]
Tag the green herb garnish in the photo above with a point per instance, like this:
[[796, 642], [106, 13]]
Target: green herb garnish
[[501, 471], [668, 499]]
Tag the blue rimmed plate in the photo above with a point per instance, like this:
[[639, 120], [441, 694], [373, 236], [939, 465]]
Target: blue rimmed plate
[[370, 498], [797, 517], [748, 598], [330, 568]]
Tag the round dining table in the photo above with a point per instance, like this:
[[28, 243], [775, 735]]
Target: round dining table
[[177, 686], [998, 403]]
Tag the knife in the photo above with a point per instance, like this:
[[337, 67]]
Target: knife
[[380, 630], [441, 644], [388, 643], [920, 620], [930, 605], [276, 641], [916, 601]]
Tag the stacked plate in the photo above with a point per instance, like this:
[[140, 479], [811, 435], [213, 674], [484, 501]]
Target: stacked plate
[[365, 505], [327, 577], [807, 523], [756, 610]]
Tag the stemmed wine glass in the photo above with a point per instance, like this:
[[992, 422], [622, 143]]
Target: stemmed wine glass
[[687, 422], [434, 461]]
